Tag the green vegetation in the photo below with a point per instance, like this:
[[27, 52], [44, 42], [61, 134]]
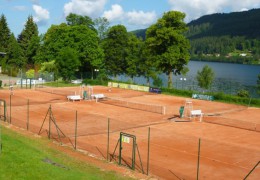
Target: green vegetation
[[221, 97], [86, 48], [167, 44], [232, 37], [32, 158], [205, 77], [258, 84], [60, 83]]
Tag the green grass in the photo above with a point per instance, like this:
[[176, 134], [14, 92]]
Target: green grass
[[61, 84], [32, 158]]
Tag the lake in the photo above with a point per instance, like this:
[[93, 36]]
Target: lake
[[229, 78]]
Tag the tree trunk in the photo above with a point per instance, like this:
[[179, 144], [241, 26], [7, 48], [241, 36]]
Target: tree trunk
[[170, 79], [147, 81]]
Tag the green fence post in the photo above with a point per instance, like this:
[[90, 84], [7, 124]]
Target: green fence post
[[49, 135], [76, 130], [134, 147], [198, 165], [27, 125], [148, 153], [10, 121], [120, 148], [108, 124]]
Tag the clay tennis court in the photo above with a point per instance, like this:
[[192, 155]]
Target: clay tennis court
[[228, 134]]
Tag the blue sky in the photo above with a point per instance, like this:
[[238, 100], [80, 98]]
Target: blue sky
[[134, 14]]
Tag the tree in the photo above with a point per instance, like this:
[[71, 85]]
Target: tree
[[4, 38], [133, 56], [30, 73], [243, 93], [67, 62], [29, 41], [78, 37], [14, 53], [258, 84], [49, 67], [101, 25], [4, 34], [168, 45], [75, 20], [205, 77], [115, 47]]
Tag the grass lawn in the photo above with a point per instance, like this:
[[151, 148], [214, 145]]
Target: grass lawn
[[24, 157]]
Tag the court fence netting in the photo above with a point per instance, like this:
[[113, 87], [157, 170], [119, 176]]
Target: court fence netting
[[98, 135]]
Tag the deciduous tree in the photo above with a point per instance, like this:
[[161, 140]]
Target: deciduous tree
[[67, 62], [168, 45], [115, 48]]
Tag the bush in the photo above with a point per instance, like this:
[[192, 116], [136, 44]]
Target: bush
[[157, 82], [1, 83], [243, 93], [95, 82]]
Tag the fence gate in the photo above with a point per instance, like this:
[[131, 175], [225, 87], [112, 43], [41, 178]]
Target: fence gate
[[2, 109], [127, 146]]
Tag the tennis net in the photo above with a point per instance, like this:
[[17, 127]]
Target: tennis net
[[135, 105], [58, 91], [234, 123]]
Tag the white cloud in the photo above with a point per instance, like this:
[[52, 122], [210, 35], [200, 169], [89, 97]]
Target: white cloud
[[141, 18], [20, 8], [132, 19], [42, 15], [91, 8], [116, 13], [35, 2], [197, 8]]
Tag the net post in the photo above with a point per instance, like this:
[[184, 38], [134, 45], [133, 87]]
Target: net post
[[163, 110]]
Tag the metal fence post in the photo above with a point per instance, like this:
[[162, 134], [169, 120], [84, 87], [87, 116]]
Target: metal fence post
[[198, 165], [10, 121], [108, 127], [76, 130], [148, 153], [27, 124]]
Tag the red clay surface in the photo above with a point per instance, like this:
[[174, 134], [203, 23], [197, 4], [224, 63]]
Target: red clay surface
[[226, 152]]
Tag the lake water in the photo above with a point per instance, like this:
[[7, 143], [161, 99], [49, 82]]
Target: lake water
[[229, 78]]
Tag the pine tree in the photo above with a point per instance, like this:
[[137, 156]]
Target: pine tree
[[29, 41], [4, 34], [14, 53]]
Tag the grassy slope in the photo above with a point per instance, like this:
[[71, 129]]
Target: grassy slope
[[26, 158]]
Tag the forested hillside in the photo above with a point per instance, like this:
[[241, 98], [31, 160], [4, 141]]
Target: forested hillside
[[232, 37]]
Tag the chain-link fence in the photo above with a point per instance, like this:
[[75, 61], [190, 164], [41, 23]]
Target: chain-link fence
[[164, 152]]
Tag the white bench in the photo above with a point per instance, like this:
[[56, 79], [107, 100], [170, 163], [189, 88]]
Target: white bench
[[74, 97], [98, 96], [194, 113]]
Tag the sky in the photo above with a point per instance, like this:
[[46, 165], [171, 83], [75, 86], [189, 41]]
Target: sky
[[134, 14]]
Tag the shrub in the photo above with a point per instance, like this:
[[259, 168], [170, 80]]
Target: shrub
[[243, 93]]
